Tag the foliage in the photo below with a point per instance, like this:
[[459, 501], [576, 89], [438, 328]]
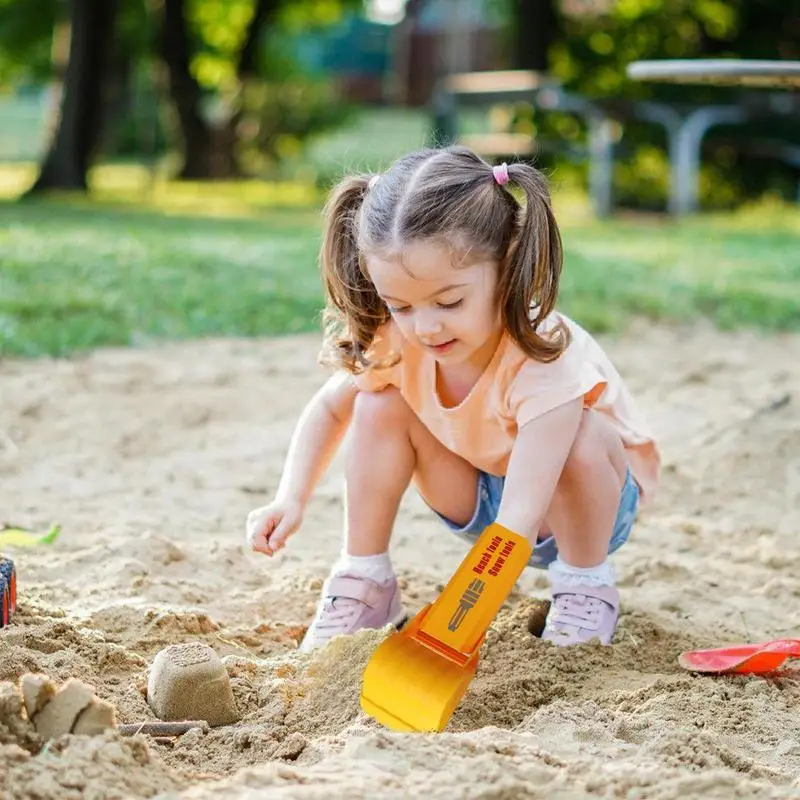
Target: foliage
[[219, 28], [26, 36], [594, 50], [281, 108]]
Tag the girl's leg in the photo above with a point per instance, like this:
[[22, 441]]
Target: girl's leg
[[586, 500], [389, 447], [582, 514]]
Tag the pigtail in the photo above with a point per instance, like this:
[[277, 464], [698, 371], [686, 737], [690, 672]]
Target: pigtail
[[528, 286], [354, 311]]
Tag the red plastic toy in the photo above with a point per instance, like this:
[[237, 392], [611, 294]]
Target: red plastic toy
[[749, 659]]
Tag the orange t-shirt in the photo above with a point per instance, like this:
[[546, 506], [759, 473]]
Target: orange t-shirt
[[513, 390]]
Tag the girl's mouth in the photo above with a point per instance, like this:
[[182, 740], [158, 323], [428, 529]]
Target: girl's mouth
[[442, 348]]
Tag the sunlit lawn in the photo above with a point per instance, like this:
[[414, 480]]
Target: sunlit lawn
[[75, 277], [170, 262]]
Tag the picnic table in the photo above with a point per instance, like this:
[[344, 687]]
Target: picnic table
[[542, 91], [719, 72], [685, 128], [749, 73]]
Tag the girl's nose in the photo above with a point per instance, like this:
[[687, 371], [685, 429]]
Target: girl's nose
[[427, 324]]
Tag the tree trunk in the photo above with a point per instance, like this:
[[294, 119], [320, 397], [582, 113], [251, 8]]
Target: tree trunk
[[209, 151], [76, 130], [535, 28], [118, 103], [185, 94]]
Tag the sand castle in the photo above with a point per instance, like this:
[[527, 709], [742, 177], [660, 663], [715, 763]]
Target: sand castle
[[188, 681], [188, 684]]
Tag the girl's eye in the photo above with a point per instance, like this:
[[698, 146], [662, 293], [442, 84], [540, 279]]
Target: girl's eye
[[456, 304], [397, 309]]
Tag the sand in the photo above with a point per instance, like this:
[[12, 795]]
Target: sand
[[150, 459]]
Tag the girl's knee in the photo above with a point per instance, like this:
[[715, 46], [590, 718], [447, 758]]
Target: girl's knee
[[379, 409], [596, 445]]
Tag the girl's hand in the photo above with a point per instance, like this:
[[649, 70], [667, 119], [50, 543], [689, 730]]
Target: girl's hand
[[270, 526]]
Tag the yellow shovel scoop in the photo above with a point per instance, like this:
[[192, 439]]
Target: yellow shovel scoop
[[416, 677]]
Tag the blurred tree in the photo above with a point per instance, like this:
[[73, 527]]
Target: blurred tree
[[76, 127], [208, 148], [87, 51], [221, 74], [209, 53]]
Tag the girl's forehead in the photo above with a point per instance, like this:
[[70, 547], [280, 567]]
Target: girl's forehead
[[427, 261]]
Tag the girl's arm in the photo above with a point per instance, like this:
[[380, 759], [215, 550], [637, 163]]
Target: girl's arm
[[316, 437], [537, 461]]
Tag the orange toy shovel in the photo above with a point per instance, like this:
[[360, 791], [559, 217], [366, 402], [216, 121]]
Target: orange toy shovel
[[416, 677], [753, 659]]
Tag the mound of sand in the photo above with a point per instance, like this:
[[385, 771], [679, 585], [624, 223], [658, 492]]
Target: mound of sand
[[84, 768], [151, 459]]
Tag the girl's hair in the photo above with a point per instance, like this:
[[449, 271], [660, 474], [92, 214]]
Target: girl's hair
[[447, 195]]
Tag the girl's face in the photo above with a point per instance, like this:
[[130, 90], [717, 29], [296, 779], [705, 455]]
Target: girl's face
[[444, 307]]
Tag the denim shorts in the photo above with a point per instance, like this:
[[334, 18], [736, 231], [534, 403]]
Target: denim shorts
[[490, 490]]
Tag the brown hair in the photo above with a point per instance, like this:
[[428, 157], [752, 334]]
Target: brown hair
[[446, 194]]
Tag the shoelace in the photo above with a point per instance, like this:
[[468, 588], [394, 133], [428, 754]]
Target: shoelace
[[574, 611], [337, 610]]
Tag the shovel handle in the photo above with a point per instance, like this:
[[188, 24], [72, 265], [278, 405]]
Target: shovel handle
[[456, 623]]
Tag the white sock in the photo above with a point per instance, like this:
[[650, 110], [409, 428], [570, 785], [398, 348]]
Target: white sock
[[601, 575], [378, 568]]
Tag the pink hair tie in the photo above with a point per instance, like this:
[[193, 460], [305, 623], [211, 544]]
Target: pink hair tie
[[501, 173]]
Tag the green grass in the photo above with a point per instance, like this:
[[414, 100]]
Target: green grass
[[144, 263], [738, 270], [76, 278]]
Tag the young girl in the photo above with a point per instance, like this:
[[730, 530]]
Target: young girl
[[453, 371]]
